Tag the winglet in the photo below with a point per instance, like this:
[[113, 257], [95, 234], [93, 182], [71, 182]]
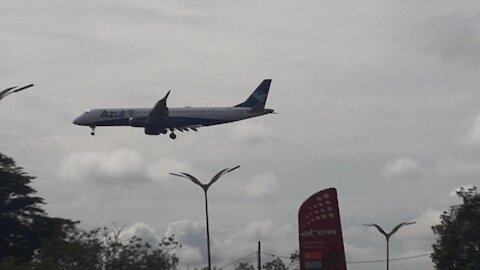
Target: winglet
[[166, 96]]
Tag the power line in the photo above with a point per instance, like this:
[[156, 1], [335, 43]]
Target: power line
[[370, 261], [237, 260], [348, 262], [278, 256], [396, 259]]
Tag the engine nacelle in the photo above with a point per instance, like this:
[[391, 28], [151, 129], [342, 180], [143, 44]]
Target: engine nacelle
[[155, 130], [136, 122]]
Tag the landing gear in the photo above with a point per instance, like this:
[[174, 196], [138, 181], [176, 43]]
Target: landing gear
[[173, 136], [93, 131]]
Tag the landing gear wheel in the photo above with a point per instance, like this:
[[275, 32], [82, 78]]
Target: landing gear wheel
[[173, 136], [93, 131]]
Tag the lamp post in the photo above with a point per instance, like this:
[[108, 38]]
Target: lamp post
[[388, 235], [205, 189], [12, 90]]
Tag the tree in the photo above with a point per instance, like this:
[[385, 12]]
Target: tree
[[276, 264], [458, 242], [24, 224], [31, 240], [295, 260], [244, 266], [102, 249]]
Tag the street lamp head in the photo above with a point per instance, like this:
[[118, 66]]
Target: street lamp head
[[12, 90], [401, 225], [380, 229], [220, 174], [22, 88], [394, 230], [213, 180], [234, 168], [189, 177]]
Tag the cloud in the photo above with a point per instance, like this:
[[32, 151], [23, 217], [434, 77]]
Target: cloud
[[261, 185], [162, 168], [187, 231], [459, 168], [251, 133], [275, 239], [142, 231], [118, 167], [192, 236], [404, 168], [190, 255], [474, 133], [455, 37]]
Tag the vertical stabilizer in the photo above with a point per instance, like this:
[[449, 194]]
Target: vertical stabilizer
[[259, 97]]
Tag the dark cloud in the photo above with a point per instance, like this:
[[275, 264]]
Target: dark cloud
[[455, 37]]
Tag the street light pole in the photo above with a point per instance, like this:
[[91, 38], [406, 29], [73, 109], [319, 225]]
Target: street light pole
[[12, 90], [388, 235], [205, 189], [208, 230]]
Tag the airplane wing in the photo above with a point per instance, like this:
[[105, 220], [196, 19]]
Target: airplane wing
[[157, 120], [160, 110]]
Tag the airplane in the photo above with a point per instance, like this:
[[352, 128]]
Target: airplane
[[160, 119]]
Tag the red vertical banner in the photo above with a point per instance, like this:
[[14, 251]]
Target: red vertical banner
[[320, 233]]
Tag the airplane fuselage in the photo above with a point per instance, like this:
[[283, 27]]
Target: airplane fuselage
[[178, 117]]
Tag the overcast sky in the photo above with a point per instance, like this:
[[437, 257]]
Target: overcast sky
[[376, 98]]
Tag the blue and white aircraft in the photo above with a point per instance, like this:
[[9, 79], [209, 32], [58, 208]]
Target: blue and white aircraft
[[160, 119]]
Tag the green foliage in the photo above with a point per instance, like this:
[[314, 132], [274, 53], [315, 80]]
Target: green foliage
[[295, 260], [30, 240], [244, 266], [24, 224], [276, 264], [101, 249], [458, 242]]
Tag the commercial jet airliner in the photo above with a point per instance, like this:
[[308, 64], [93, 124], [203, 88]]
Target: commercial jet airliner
[[160, 119]]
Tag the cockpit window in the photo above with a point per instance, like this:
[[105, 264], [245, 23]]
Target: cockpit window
[[87, 111]]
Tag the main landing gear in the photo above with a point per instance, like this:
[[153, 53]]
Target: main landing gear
[[93, 131], [173, 136]]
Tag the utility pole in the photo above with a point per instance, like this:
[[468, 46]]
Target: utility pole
[[259, 256]]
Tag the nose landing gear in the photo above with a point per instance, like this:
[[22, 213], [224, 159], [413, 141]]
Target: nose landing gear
[[93, 131]]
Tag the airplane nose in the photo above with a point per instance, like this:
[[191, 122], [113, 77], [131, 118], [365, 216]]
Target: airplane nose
[[77, 121]]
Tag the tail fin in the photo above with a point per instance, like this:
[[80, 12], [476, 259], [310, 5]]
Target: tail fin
[[259, 97]]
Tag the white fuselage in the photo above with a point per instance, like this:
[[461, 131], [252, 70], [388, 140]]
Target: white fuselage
[[180, 116]]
